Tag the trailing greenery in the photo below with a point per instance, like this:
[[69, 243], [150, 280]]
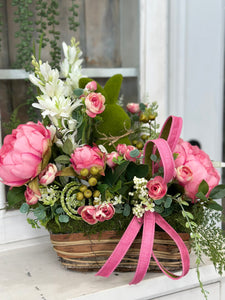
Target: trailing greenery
[[1, 23], [73, 24]]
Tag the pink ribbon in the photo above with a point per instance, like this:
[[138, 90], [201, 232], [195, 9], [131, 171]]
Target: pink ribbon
[[165, 145]]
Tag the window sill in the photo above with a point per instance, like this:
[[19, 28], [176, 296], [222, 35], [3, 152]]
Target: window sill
[[30, 270]]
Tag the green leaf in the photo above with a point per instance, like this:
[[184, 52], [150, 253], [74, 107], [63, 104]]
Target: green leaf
[[63, 159], [78, 92], [40, 213], [214, 205], [142, 106], [134, 153], [201, 196], [159, 209], [113, 177], [118, 208], [77, 115], [117, 186], [67, 147], [154, 157], [127, 210], [168, 202], [64, 218], [159, 201], [15, 196], [203, 187], [218, 192], [59, 210], [24, 208], [139, 171]]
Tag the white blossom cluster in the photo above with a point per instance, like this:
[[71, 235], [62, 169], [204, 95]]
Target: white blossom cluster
[[49, 195], [57, 100], [142, 202]]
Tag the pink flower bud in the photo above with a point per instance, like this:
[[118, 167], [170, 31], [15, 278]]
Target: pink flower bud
[[48, 175], [30, 196], [104, 212], [88, 214], [91, 86], [184, 174], [94, 104], [110, 157], [121, 149], [157, 188], [133, 108]]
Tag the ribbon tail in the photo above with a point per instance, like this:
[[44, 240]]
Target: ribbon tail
[[185, 258], [121, 248], [146, 247]]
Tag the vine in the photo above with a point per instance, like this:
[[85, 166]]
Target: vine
[[52, 13], [1, 23], [41, 25], [73, 25], [23, 16]]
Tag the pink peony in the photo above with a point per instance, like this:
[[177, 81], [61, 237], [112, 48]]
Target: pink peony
[[110, 157], [22, 154], [121, 149], [30, 196], [88, 214], [91, 86], [195, 162], [104, 212], [95, 104], [48, 175], [86, 157], [133, 108], [157, 188]]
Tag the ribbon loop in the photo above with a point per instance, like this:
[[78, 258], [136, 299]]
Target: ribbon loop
[[163, 147]]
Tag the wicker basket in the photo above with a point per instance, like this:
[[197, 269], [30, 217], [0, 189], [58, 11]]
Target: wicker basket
[[89, 253]]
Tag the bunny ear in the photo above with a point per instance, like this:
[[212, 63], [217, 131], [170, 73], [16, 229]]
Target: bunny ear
[[171, 131], [112, 88]]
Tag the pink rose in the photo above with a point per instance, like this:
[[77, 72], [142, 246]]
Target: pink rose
[[133, 108], [194, 160], [30, 196], [91, 86], [95, 104], [127, 155], [48, 175], [86, 157], [156, 188], [121, 149], [104, 212], [184, 174], [88, 214], [22, 153], [110, 157]]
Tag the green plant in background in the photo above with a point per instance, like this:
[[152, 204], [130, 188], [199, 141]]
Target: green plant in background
[[52, 14], [73, 24], [37, 21]]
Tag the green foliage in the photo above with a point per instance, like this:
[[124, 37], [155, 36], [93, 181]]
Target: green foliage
[[15, 197], [115, 121], [1, 23], [73, 24]]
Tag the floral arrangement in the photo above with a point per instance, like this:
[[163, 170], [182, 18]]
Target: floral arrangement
[[87, 167]]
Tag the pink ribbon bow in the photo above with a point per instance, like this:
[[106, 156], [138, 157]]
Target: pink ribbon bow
[[165, 145]]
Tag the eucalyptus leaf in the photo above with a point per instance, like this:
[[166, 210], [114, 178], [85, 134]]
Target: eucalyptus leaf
[[64, 218], [78, 92], [59, 210], [154, 157], [134, 153], [142, 106], [127, 210], [24, 208], [168, 202], [40, 213]]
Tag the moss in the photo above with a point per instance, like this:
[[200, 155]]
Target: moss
[[118, 223]]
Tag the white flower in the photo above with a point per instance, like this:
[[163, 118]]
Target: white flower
[[60, 107]]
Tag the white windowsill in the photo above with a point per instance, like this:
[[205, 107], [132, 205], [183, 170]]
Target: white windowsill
[[30, 270]]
